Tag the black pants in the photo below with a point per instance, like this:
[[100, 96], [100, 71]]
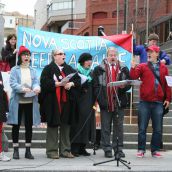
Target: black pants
[[25, 110]]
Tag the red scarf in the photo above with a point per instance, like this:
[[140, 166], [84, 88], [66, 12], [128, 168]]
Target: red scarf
[[61, 94], [111, 76]]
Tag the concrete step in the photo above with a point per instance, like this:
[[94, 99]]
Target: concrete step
[[134, 145], [167, 120], [128, 137], [133, 128]]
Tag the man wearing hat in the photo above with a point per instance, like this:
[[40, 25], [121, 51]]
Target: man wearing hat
[[141, 50], [111, 108], [151, 99]]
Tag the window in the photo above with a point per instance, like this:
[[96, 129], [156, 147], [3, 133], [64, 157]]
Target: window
[[11, 21], [99, 15], [120, 13], [63, 5]]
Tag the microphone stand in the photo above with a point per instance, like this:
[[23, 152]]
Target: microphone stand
[[117, 157]]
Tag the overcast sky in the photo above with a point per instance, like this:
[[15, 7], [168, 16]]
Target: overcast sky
[[23, 6]]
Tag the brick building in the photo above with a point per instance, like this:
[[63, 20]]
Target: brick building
[[106, 14]]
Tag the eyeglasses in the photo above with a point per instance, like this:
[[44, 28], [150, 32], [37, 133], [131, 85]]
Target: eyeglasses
[[60, 54], [27, 55]]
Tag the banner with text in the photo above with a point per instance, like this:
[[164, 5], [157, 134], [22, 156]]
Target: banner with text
[[41, 43]]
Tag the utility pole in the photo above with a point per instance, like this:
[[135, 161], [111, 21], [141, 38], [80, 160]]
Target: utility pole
[[147, 20], [71, 17], [125, 14], [136, 10], [117, 17]]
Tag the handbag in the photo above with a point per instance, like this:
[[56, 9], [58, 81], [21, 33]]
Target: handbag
[[165, 110], [4, 66]]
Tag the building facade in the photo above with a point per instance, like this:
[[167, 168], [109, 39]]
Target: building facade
[[2, 21], [83, 17], [40, 14], [112, 15], [60, 14], [14, 19]]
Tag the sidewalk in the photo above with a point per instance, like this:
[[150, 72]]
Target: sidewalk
[[81, 164]]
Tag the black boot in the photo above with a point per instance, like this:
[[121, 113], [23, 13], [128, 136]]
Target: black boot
[[28, 154], [16, 153], [83, 150]]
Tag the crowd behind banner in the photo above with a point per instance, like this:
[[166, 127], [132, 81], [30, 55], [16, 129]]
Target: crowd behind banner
[[74, 74]]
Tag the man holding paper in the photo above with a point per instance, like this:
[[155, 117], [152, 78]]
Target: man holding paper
[[55, 103], [154, 93], [111, 110]]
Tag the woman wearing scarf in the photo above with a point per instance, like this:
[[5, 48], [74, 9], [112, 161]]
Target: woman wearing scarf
[[56, 103], [84, 129]]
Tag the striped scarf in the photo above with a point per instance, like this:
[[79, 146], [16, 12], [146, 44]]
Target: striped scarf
[[110, 90]]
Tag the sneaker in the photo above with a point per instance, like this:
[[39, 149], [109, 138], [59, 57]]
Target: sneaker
[[140, 154], [156, 154], [4, 157]]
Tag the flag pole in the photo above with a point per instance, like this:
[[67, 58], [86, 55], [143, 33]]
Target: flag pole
[[131, 93]]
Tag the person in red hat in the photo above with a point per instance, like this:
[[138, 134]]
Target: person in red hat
[[140, 50], [23, 101], [154, 93]]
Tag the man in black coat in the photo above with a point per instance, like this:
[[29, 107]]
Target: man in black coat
[[56, 101], [110, 70]]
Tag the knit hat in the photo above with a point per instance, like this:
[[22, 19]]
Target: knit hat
[[153, 48], [23, 49], [84, 57], [153, 36]]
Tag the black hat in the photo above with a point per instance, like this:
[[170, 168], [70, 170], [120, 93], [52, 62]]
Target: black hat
[[84, 57]]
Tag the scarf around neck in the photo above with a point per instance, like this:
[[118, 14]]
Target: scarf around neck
[[85, 72], [110, 90]]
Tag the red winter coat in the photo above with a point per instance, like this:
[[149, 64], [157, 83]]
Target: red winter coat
[[147, 88]]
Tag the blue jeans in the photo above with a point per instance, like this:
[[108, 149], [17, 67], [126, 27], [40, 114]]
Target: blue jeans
[[147, 110]]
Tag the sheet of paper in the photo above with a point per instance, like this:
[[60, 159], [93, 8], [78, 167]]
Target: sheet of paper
[[125, 82], [30, 94], [67, 78], [83, 78], [169, 80], [6, 78]]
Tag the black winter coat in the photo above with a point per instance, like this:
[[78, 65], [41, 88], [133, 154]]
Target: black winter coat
[[83, 130], [100, 86], [3, 102], [48, 101], [7, 55]]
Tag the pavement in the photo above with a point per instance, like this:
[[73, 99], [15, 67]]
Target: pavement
[[84, 164]]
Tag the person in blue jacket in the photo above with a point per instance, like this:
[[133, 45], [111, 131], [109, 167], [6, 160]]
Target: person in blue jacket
[[141, 50], [23, 104]]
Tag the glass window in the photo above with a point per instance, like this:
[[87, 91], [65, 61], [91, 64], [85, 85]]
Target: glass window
[[62, 5], [11, 21], [66, 5]]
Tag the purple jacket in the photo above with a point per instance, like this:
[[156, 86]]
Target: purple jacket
[[141, 51]]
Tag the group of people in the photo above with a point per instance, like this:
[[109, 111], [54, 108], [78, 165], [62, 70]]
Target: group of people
[[67, 105]]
